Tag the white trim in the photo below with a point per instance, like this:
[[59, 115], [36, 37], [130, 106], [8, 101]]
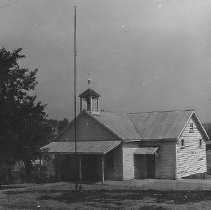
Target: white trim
[[112, 148], [185, 125], [198, 121], [205, 132]]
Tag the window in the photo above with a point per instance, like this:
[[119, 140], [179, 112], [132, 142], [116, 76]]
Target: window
[[182, 143], [200, 143], [191, 128]]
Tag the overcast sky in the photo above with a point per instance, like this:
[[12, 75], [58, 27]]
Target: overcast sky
[[143, 55]]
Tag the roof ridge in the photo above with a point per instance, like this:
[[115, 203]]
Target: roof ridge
[[122, 112], [118, 112], [125, 115], [173, 110]]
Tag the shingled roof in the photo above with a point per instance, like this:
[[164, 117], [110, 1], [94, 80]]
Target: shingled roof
[[84, 147], [89, 92], [118, 123], [160, 124], [148, 125], [157, 125]]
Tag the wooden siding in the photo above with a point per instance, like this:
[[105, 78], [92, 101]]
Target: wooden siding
[[165, 160], [88, 130], [190, 159], [128, 159]]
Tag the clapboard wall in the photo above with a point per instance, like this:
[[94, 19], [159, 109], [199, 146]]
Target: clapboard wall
[[128, 149], [87, 130], [165, 160], [190, 158]]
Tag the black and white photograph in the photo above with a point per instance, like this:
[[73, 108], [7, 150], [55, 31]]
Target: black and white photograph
[[105, 104]]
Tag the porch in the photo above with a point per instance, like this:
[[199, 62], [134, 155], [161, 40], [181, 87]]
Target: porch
[[92, 161]]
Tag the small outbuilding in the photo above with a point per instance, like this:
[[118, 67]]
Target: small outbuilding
[[123, 146]]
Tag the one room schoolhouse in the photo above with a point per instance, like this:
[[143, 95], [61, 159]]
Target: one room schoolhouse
[[123, 146]]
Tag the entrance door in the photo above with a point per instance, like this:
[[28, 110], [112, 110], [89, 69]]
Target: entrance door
[[89, 167], [150, 166], [140, 166]]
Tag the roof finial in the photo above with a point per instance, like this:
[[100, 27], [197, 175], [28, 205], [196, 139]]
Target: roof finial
[[89, 79], [89, 82]]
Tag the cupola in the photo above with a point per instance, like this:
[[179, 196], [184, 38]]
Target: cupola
[[89, 101]]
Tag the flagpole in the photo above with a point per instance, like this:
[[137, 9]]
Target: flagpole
[[75, 78]]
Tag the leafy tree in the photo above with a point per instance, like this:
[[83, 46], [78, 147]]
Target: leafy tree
[[62, 124], [58, 125], [207, 127], [23, 120]]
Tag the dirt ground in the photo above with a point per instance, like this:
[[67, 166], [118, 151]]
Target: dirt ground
[[96, 196]]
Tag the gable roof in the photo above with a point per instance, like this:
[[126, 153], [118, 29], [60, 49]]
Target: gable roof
[[84, 147], [157, 125], [207, 127], [160, 124], [202, 129], [60, 136], [154, 125], [118, 123], [89, 92]]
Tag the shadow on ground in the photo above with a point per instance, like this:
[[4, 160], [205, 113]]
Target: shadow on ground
[[7, 187], [119, 198]]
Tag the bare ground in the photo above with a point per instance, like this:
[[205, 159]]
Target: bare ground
[[122, 195]]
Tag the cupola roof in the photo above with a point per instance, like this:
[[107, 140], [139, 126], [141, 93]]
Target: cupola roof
[[89, 92]]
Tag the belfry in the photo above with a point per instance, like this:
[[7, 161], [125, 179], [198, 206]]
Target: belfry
[[89, 100]]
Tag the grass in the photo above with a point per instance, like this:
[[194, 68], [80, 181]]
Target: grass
[[62, 196]]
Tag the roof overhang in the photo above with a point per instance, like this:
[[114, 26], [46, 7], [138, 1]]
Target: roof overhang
[[146, 151], [82, 147], [84, 112], [89, 92], [160, 140], [204, 133]]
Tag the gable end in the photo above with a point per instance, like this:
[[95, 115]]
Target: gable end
[[198, 125], [88, 129]]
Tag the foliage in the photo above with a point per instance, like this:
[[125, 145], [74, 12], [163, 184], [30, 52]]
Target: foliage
[[24, 126], [58, 125], [207, 127]]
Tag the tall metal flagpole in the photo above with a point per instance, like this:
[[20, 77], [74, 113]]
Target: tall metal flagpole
[[75, 77]]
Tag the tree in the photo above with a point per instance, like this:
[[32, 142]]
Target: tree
[[62, 124], [23, 120], [57, 126]]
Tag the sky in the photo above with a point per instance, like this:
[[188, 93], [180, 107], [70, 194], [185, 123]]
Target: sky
[[142, 55]]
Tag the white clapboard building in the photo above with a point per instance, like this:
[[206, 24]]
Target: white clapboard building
[[123, 146]]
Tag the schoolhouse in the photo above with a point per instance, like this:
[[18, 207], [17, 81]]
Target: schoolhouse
[[123, 146]]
